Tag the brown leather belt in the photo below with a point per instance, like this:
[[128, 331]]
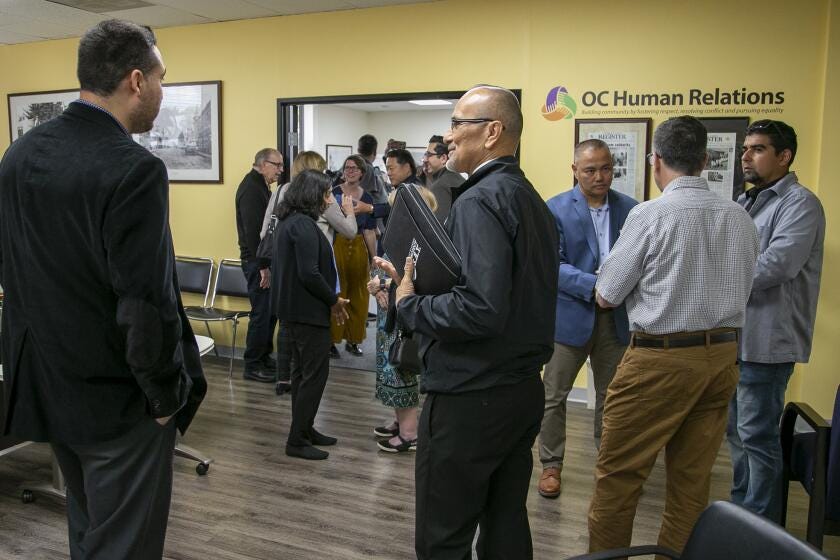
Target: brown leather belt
[[686, 340]]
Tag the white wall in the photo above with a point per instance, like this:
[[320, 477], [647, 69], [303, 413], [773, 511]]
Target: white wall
[[337, 125]]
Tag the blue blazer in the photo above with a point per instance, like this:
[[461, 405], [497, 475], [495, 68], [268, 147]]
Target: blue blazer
[[578, 247]]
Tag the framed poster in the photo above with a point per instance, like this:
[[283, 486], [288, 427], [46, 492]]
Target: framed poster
[[187, 134], [28, 110], [417, 153], [723, 170], [336, 154], [629, 142]]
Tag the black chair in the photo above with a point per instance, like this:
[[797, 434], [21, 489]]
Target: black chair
[[813, 458], [726, 531], [194, 277], [230, 281]]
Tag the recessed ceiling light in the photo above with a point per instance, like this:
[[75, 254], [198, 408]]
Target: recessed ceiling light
[[431, 102]]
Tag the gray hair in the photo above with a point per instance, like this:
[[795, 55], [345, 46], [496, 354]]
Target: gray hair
[[263, 155], [681, 143]]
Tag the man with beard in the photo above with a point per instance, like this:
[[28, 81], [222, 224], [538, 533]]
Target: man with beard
[[781, 311], [100, 360]]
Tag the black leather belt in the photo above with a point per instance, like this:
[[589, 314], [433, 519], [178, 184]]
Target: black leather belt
[[682, 341]]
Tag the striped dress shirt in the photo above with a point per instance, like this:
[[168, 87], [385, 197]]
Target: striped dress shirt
[[683, 262]]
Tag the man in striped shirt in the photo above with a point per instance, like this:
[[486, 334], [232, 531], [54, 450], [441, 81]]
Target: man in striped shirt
[[683, 266]]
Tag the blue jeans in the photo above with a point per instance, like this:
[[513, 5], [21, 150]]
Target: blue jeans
[[259, 342], [753, 436]]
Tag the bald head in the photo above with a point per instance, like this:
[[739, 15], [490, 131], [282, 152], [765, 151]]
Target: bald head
[[502, 105]]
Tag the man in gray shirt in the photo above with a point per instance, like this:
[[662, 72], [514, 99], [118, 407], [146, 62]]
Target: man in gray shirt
[[780, 313], [439, 179], [683, 265]]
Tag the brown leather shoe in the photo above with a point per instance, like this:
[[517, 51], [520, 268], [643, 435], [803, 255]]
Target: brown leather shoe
[[550, 483]]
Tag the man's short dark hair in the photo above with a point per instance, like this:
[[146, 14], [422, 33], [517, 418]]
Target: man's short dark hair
[[403, 156], [441, 148], [681, 143], [590, 144], [110, 51], [781, 135], [367, 145]]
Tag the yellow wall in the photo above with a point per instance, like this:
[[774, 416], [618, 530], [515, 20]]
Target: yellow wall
[[646, 45]]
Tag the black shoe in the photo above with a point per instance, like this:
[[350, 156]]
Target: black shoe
[[334, 355], [353, 349], [269, 364], [258, 375], [386, 432], [282, 387], [402, 447], [306, 452], [317, 438]]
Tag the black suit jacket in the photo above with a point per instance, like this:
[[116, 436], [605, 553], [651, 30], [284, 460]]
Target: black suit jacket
[[94, 335], [304, 276]]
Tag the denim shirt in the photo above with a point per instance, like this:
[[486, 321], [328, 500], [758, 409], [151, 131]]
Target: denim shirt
[[782, 307]]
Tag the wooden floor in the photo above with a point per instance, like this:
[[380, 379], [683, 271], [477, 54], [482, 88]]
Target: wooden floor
[[256, 503]]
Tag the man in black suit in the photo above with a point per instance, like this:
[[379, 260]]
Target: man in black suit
[[99, 358], [483, 343], [252, 198]]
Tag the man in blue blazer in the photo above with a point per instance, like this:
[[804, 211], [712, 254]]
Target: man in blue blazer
[[589, 218]]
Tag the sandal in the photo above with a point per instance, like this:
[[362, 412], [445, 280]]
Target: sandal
[[402, 447], [387, 431]]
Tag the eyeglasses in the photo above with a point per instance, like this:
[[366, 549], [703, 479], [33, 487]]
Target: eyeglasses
[[458, 122], [427, 155], [351, 168], [277, 164], [650, 158], [764, 125]]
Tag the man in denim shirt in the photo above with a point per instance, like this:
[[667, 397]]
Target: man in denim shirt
[[781, 310]]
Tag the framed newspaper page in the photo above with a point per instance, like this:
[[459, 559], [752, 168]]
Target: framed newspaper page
[[629, 142], [723, 169]]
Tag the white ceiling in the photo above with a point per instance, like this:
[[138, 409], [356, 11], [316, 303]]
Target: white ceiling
[[25, 21], [378, 106]]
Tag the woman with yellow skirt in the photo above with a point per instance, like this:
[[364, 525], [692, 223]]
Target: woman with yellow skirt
[[352, 258]]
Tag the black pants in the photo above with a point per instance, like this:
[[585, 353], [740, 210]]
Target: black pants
[[473, 468], [310, 348], [258, 343], [284, 353], [118, 493]]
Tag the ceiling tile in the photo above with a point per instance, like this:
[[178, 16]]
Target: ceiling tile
[[8, 37], [49, 11], [158, 16], [42, 29], [102, 6], [219, 10], [289, 7]]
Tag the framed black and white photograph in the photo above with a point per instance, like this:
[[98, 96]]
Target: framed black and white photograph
[[417, 154], [187, 134], [723, 170], [28, 110], [629, 142], [336, 154]]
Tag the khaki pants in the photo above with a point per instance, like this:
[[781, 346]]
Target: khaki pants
[[604, 351], [351, 258], [676, 399]]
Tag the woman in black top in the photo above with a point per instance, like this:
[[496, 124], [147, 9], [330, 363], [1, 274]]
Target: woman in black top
[[305, 290]]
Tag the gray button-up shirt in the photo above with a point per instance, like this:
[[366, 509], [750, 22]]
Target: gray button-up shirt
[[783, 304], [684, 262]]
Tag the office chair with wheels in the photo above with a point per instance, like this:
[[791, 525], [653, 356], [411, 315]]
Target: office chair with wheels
[[813, 458], [230, 281], [725, 530]]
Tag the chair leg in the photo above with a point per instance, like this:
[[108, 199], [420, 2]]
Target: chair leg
[[210, 334], [232, 349]]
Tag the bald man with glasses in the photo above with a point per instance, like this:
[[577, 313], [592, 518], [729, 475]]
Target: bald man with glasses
[[252, 198]]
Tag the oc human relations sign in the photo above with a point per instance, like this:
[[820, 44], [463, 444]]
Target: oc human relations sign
[[692, 97]]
